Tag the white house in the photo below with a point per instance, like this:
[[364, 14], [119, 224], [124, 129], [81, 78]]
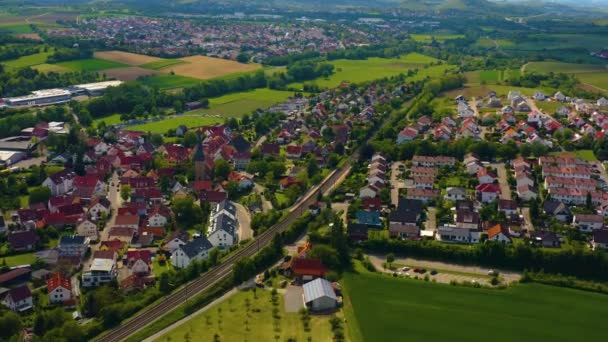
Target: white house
[[100, 206], [603, 102], [87, 229], [60, 183], [368, 191], [101, 271], [59, 288], [588, 223], [455, 194], [19, 299], [319, 295], [499, 233], [197, 249], [559, 96], [223, 225], [176, 240], [156, 220]]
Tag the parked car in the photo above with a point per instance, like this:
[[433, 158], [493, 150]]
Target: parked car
[[405, 269], [492, 273], [434, 272]]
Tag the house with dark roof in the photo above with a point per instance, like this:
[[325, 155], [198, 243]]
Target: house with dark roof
[[557, 209], [270, 149], [19, 299], [74, 245], [369, 218], [197, 249], [403, 221], [60, 182], [22, 240], [545, 238], [176, 239], [357, 231], [223, 225], [600, 239]]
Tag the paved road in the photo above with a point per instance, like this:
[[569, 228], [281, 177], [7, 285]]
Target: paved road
[[431, 219], [505, 190], [244, 219], [396, 183]]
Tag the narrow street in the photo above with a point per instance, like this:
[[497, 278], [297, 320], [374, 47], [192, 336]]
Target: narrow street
[[525, 212], [505, 190], [396, 183], [431, 219], [266, 204], [244, 218]]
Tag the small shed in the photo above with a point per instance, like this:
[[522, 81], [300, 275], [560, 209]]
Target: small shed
[[319, 295]]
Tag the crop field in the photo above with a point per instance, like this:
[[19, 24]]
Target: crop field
[[427, 38], [231, 321], [381, 308], [569, 68], [358, 71], [598, 80], [165, 82], [129, 73], [238, 104], [590, 42], [50, 68], [203, 67], [488, 43], [432, 71], [27, 61], [162, 64], [172, 123], [90, 64], [126, 57], [15, 28]]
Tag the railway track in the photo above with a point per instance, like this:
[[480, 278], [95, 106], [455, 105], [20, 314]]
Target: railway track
[[224, 269]]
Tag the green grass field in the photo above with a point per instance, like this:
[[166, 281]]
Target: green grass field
[[432, 71], [19, 259], [172, 123], [571, 68], [427, 38], [487, 43], [50, 68], [238, 104], [15, 28], [549, 107], [165, 82], [109, 120], [231, 322], [380, 308], [161, 64], [90, 64], [358, 71], [498, 75], [598, 80], [27, 61]]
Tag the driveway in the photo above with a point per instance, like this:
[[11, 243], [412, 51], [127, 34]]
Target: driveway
[[505, 190], [26, 163], [340, 207], [446, 271], [245, 231], [532, 105], [293, 298], [525, 212], [431, 219], [396, 183], [266, 204]]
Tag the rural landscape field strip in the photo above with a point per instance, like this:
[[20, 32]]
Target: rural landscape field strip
[[389, 309]]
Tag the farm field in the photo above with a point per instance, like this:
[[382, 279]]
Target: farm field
[[163, 126], [109, 120], [165, 82], [238, 104], [228, 318], [90, 64], [598, 80], [378, 308], [161, 64], [433, 71], [126, 57], [488, 43], [571, 68], [475, 89], [203, 67], [16, 28], [130, 73], [358, 71], [50, 68], [491, 76], [27, 61], [427, 38]]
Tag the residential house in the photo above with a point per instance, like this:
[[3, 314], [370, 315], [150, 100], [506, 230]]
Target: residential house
[[127, 221], [177, 239], [139, 261], [21, 241], [455, 194], [88, 229], [19, 299], [197, 249], [223, 225], [526, 192], [588, 223], [306, 269], [61, 182], [467, 219], [425, 195], [101, 271], [556, 209], [499, 233], [369, 218], [487, 192], [403, 221], [357, 231], [407, 134], [74, 245], [599, 239], [508, 207], [59, 289], [99, 207], [484, 176], [545, 238]]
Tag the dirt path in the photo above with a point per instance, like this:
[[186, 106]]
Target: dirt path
[[447, 271], [396, 183], [523, 68]]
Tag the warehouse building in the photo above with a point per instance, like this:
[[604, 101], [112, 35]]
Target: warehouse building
[[319, 295], [94, 89], [40, 98], [8, 158]]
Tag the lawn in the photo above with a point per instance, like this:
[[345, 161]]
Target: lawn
[[50, 68], [159, 269], [282, 200], [493, 76], [379, 308], [172, 123], [432, 72], [238, 104], [26, 61], [90, 64], [19, 259], [587, 155], [161, 64], [231, 322], [165, 82], [549, 107], [109, 120], [358, 71], [15, 28]]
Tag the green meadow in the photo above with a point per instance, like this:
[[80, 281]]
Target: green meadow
[[90, 64], [163, 126], [381, 308], [238, 104], [28, 61], [165, 82], [161, 64]]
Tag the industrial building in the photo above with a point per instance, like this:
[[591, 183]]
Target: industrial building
[[94, 89], [319, 295], [40, 98], [8, 158]]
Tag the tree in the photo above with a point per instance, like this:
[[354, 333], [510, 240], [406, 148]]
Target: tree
[[40, 194], [125, 192], [243, 270], [187, 213], [190, 139], [242, 58], [10, 325], [39, 327], [221, 169], [589, 201], [156, 139], [163, 283], [390, 258]]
